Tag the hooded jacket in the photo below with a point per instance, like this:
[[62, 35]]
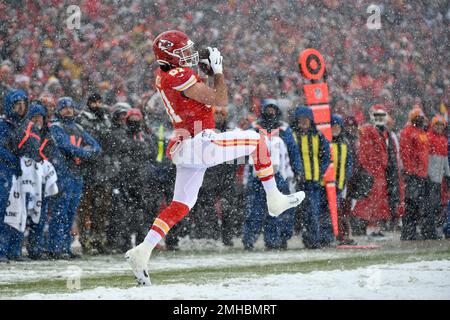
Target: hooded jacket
[[277, 127], [9, 137], [314, 148], [414, 150], [342, 156], [31, 139], [73, 145], [438, 166], [97, 123]]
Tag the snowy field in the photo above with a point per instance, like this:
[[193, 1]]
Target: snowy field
[[417, 280], [207, 270]]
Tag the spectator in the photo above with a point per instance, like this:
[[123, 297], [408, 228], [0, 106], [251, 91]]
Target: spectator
[[392, 62], [357, 186], [285, 159], [15, 108], [343, 165], [139, 172], [377, 154], [315, 159], [36, 244], [414, 151], [5, 74], [74, 145], [96, 200], [438, 169], [116, 231]]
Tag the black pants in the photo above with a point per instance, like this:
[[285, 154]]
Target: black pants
[[416, 200], [432, 211], [130, 214], [207, 224], [93, 217]]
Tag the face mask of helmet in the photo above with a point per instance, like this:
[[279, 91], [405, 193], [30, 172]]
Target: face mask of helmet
[[134, 126], [188, 56], [270, 117]]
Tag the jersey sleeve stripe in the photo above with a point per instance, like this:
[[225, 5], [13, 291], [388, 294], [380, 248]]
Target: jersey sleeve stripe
[[191, 81]]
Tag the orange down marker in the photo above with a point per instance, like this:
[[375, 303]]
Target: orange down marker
[[312, 67]]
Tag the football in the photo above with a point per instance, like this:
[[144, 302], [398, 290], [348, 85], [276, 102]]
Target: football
[[203, 63]]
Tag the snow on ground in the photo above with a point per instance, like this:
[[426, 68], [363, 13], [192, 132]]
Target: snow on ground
[[408, 278], [113, 265], [197, 253], [417, 280]]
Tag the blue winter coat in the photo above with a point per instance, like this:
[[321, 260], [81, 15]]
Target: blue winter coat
[[324, 155], [10, 136], [73, 145]]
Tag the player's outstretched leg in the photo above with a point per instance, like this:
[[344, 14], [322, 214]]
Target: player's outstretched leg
[[139, 256], [277, 202]]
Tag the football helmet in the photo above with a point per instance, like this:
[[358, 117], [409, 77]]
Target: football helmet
[[174, 48], [378, 115]]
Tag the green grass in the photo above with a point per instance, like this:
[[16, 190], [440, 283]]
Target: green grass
[[201, 275]]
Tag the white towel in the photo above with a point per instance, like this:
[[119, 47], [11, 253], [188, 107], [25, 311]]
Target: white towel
[[16, 213], [25, 198]]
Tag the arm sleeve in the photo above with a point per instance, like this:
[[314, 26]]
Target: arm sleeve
[[89, 140], [446, 166], [406, 153], [349, 164], [6, 155]]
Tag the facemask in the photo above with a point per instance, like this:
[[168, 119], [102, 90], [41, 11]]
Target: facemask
[[270, 120], [134, 126], [419, 122], [99, 112]]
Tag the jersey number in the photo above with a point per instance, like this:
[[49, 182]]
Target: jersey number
[[175, 118]]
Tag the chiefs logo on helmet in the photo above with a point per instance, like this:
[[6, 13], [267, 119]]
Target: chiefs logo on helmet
[[164, 44]]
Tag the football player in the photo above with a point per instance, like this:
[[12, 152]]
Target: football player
[[196, 146]]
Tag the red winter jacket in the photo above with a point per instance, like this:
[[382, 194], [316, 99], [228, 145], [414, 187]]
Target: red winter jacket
[[414, 149]]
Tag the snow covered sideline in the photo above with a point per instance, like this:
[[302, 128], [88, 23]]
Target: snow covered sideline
[[417, 280]]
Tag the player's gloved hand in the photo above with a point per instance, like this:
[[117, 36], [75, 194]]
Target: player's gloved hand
[[215, 59]]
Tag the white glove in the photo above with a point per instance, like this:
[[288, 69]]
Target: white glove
[[215, 59]]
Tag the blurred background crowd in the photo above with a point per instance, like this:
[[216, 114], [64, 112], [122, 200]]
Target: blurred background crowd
[[107, 69]]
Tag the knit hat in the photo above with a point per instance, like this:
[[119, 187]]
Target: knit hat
[[134, 112]]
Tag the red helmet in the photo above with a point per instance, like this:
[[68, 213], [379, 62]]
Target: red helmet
[[173, 47]]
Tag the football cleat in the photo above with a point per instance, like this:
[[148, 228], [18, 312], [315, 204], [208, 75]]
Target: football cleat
[[277, 202], [138, 258]]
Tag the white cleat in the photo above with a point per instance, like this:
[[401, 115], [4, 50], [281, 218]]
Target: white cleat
[[138, 258], [277, 202]]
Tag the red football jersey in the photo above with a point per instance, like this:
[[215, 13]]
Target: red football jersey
[[185, 113]]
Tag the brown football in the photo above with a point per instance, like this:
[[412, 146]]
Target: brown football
[[203, 54]]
